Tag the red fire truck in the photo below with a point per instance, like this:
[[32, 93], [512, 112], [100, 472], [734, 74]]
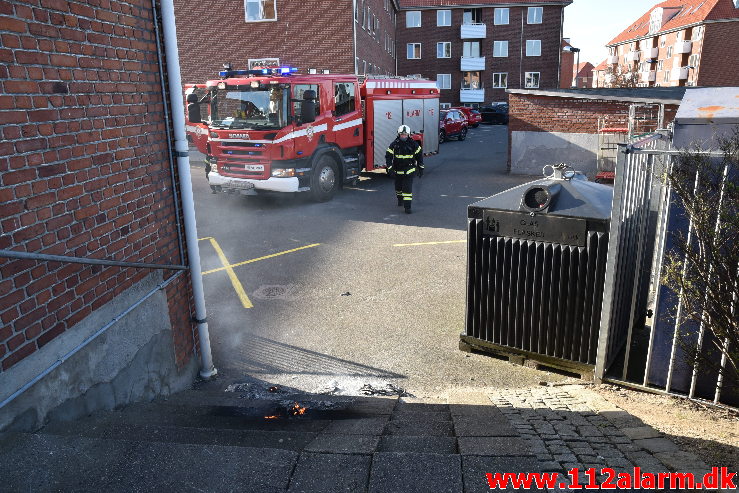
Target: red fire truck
[[273, 129]]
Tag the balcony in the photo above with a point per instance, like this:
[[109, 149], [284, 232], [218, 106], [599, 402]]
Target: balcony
[[612, 60], [679, 73], [633, 56], [472, 64], [648, 76], [473, 31], [472, 95], [652, 53], [683, 47]]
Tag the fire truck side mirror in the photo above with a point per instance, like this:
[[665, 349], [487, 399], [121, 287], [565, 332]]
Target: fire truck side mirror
[[193, 113]]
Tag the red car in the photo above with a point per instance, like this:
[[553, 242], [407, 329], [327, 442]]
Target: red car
[[473, 116], [452, 123]]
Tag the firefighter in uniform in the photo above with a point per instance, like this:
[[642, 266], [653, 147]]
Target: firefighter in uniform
[[404, 158]]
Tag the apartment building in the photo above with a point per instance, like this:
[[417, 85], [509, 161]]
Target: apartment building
[[582, 75], [679, 43], [341, 36], [599, 74], [475, 51]]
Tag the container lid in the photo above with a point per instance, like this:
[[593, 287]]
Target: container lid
[[576, 198], [709, 105]]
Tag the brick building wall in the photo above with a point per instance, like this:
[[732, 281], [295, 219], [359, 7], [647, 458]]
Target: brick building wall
[[718, 59], [516, 32], [310, 34], [375, 20], [83, 168]]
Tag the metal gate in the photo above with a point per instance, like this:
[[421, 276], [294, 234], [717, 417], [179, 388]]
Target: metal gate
[[386, 128], [638, 343]]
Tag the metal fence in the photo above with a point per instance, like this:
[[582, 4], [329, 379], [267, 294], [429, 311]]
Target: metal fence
[[639, 341]]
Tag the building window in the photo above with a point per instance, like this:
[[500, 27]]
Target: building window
[[413, 18], [364, 66], [500, 17], [693, 60], [500, 80], [667, 76], [500, 48], [533, 47], [414, 51], [444, 50], [260, 10], [344, 100], [697, 33], [356, 12], [444, 81], [470, 80], [532, 80], [669, 51], [660, 64], [662, 41], [535, 15], [445, 106], [368, 19], [471, 49], [443, 17], [472, 16]]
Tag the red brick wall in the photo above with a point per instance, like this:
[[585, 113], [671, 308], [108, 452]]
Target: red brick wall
[[549, 32], [83, 165], [718, 59], [371, 45], [311, 33]]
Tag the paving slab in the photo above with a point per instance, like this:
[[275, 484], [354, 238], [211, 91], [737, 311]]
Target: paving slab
[[656, 445], [640, 432], [398, 472], [421, 416], [494, 446], [475, 468], [344, 444], [361, 426], [419, 444], [473, 410], [94, 464], [330, 473], [482, 427], [420, 428]]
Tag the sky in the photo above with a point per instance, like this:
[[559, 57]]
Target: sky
[[590, 24]]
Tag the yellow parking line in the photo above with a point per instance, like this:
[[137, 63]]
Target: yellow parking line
[[245, 301], [430, 243], [260, 258]]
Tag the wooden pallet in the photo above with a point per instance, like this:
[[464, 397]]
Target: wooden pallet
[[530, 360]]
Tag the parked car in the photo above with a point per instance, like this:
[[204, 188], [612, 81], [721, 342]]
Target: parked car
[[495, 113], [452, 123], [472, 115]]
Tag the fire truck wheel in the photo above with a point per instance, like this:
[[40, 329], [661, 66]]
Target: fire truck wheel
[[324, 180], [463, 134], [442, 136]]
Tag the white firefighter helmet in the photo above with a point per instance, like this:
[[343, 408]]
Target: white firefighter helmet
[[404, 129]]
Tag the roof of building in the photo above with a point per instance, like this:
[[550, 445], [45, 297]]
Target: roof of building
[[667, 95], [410, 4], [691, 12], [601, 66], [583, 69]]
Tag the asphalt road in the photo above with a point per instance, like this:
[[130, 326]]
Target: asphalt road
[[350, 307]]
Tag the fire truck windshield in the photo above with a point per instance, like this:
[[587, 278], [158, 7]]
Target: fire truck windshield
[[244, 107]]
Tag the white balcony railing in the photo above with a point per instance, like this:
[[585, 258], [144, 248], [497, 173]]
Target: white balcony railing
[[649, 76], [683, 47], [471, 64], [473, 31], [472, 95], [652, 53], [612, 60], [679, 73], [633, 56]]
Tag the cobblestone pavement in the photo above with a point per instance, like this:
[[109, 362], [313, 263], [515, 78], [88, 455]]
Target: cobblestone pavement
[[572, 427]]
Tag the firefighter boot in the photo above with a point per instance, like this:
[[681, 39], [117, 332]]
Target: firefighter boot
[[408, 208], [400, 201]]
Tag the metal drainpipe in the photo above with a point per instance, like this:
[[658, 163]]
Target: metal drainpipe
[[169, 133], [207, 370], [520, 57]]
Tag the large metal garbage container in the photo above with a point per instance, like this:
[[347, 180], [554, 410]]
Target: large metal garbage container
[[535, 269]]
